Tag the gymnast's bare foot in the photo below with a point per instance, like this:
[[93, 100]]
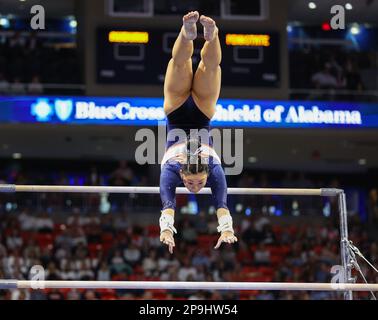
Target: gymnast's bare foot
[[189, 25], [209, 28]]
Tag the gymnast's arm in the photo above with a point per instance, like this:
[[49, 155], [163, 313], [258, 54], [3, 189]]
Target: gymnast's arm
[[218, 184], [169, 180]]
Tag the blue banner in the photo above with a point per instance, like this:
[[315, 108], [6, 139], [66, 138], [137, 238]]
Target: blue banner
[[149, 112]]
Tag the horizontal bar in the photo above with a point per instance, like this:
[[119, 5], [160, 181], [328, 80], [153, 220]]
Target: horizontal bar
[[10, 188], [8, 284], [182, 285]]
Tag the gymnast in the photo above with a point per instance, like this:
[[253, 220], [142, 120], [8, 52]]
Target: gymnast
[[189, 104]]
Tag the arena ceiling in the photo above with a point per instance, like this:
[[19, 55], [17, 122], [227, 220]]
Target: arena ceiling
[[53, 8], [363, 10]]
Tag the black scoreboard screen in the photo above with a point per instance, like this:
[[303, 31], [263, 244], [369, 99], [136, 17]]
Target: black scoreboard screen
[[135, 56]]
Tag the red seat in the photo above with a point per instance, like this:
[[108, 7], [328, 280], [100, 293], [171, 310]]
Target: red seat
[[138, 269], [153, 230], [250, 269], [94, 248], [206, 240], [26, 235], [44, 240], [159, 296], [266, 271], [276, 259], [108, 237]]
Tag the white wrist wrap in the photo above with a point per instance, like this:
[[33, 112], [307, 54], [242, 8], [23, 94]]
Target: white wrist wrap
[[166, 223], [225, 224]]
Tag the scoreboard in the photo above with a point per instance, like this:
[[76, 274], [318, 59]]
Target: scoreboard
[[135, 56]]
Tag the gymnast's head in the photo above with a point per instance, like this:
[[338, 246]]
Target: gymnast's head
[[195, 170]]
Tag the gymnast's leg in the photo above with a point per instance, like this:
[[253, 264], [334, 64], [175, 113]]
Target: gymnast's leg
[[179, 74], [207, 79], [177, 88]]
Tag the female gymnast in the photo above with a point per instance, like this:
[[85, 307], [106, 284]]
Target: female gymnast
[[189, 103]]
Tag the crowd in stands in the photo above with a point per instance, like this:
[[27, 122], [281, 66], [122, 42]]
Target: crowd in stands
[[113, 246], [28, 62], [129, 174], [126, 174], [331, 69]]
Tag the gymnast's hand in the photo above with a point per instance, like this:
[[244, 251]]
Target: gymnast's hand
[[167, 238], [226, 237]]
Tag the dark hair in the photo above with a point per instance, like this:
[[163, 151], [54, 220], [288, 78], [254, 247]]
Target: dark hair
[[194, 162]]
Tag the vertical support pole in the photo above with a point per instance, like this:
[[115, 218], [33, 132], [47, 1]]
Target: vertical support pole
[[344, 252]]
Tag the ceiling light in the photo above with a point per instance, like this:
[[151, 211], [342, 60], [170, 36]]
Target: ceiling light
[[252, 159], [355, 30], [312, 5], [16, 155], [362, 162], [4, 22], [348, 6], [73, 24]]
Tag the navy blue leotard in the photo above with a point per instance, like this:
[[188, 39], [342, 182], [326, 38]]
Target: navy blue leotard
[[188, 116]]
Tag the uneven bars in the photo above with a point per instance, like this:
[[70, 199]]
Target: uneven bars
[[12, 188], [186, 285]]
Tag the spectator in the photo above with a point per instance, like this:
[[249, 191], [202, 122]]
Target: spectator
[[201, 223], [78, 236], [35, 86], [73, 295], [149, 263], [132, 254], [17, 87], [55, 294], [200, 259], [265, 295], [103, 274], [262, 255], [52, 273], [373, 207], [189, 234], [17, 41], [89, 295], [118, 264], [352, 77], [27, 221], [44, 223], [165, 261], [68, 273], [20, 294], [4, 84], [86, 273], [123, 175], [14, 240], [324, 79], [121, 221], [186, 270]]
